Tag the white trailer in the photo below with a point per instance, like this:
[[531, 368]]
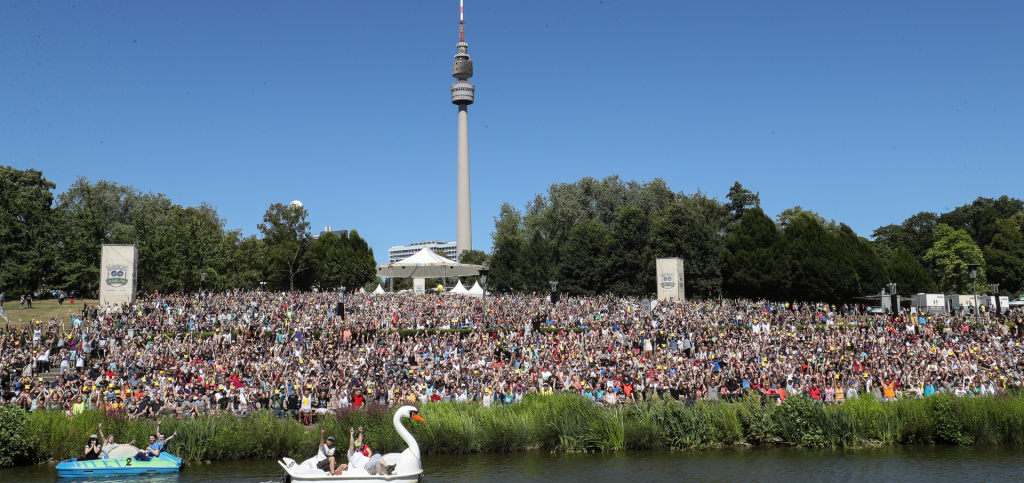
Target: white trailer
[[932, 303], [962, 303], [989, 302]]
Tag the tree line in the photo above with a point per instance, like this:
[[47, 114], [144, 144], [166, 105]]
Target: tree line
[[603, 236], [52, 241]]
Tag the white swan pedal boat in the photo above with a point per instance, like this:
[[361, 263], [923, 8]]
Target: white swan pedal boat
[[408, 468]]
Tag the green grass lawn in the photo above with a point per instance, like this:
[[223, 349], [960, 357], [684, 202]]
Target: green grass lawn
[[42, 310]]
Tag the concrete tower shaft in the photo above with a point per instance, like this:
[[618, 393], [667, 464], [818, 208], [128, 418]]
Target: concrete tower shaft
[[464, 219]]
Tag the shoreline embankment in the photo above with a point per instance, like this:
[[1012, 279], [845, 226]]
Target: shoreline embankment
[[540, 423]]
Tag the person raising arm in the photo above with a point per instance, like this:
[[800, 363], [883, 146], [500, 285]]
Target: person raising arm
[[325, 456]]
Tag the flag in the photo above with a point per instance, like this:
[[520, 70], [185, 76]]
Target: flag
[[4, 315]]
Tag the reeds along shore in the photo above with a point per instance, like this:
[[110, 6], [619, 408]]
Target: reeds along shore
[[546, 423]]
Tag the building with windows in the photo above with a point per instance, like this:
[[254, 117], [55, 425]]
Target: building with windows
[[402, 252], [327, 230]]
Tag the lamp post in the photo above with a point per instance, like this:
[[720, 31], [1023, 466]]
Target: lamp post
[[483, 281], [554, 299], [995, 293], [263, 286], [894, 301], [972, 272]]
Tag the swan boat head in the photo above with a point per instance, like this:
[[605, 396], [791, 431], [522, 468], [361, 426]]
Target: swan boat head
[[410, 460]]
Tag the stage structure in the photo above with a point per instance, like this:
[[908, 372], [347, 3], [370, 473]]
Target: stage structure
[[670, 279], [118, 265]]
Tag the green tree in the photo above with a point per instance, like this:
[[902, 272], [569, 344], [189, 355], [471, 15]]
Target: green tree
[[915, 233], [329, 256], [820, 260], [192, 248], [753, 259], [25, 228], [693, 229], [363, 265], [507, 253], [784, 218], [286, 234], [952, 252], [869, 269], [473, 257], [89, 215], [630, 268], [342, 260], [244, 265], [1004, 257], [582, 260], [741, 200], [978, 218], [906, 270]]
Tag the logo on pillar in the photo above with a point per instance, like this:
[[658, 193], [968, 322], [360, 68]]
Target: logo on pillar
[[117, 275]]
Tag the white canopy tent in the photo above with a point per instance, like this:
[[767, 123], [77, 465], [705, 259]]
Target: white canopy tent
[[476, 290], [459, 289], [427, 264], [379, 289]]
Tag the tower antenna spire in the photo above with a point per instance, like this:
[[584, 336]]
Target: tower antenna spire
[[462, 23]]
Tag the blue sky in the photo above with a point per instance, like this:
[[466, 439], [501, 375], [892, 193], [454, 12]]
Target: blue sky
[[866, 112]]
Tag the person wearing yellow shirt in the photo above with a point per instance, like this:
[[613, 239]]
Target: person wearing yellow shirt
[[79, 406]]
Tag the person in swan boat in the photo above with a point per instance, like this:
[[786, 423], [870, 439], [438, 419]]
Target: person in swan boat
[[360, 455], [325, 456]]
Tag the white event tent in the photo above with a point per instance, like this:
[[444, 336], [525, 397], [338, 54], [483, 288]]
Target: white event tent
[[459, 289], [379, 289], [476, 290]]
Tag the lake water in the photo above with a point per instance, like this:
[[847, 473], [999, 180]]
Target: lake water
[[732, 465]]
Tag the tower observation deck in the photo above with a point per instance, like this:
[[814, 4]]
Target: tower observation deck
[[462, 70]]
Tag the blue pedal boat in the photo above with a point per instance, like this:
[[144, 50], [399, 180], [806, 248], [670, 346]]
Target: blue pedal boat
[[125, 466]]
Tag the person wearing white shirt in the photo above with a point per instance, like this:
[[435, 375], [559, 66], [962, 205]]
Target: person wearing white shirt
[[325, 456]]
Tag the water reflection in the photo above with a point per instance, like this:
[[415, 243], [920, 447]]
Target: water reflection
[[885, 464]]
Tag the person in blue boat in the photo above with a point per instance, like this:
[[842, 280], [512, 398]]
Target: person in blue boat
[[151, 451], [108, 442], [157, 444], [92, 449]]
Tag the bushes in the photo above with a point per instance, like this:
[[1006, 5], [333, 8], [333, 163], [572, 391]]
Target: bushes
[[17, 446], [548, 423]]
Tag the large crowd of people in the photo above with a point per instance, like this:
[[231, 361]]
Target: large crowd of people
[[292, 353]]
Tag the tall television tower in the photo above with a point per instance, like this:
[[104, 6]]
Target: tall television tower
[[462, 96]]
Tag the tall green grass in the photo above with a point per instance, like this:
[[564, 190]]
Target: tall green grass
[[562, 423]]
